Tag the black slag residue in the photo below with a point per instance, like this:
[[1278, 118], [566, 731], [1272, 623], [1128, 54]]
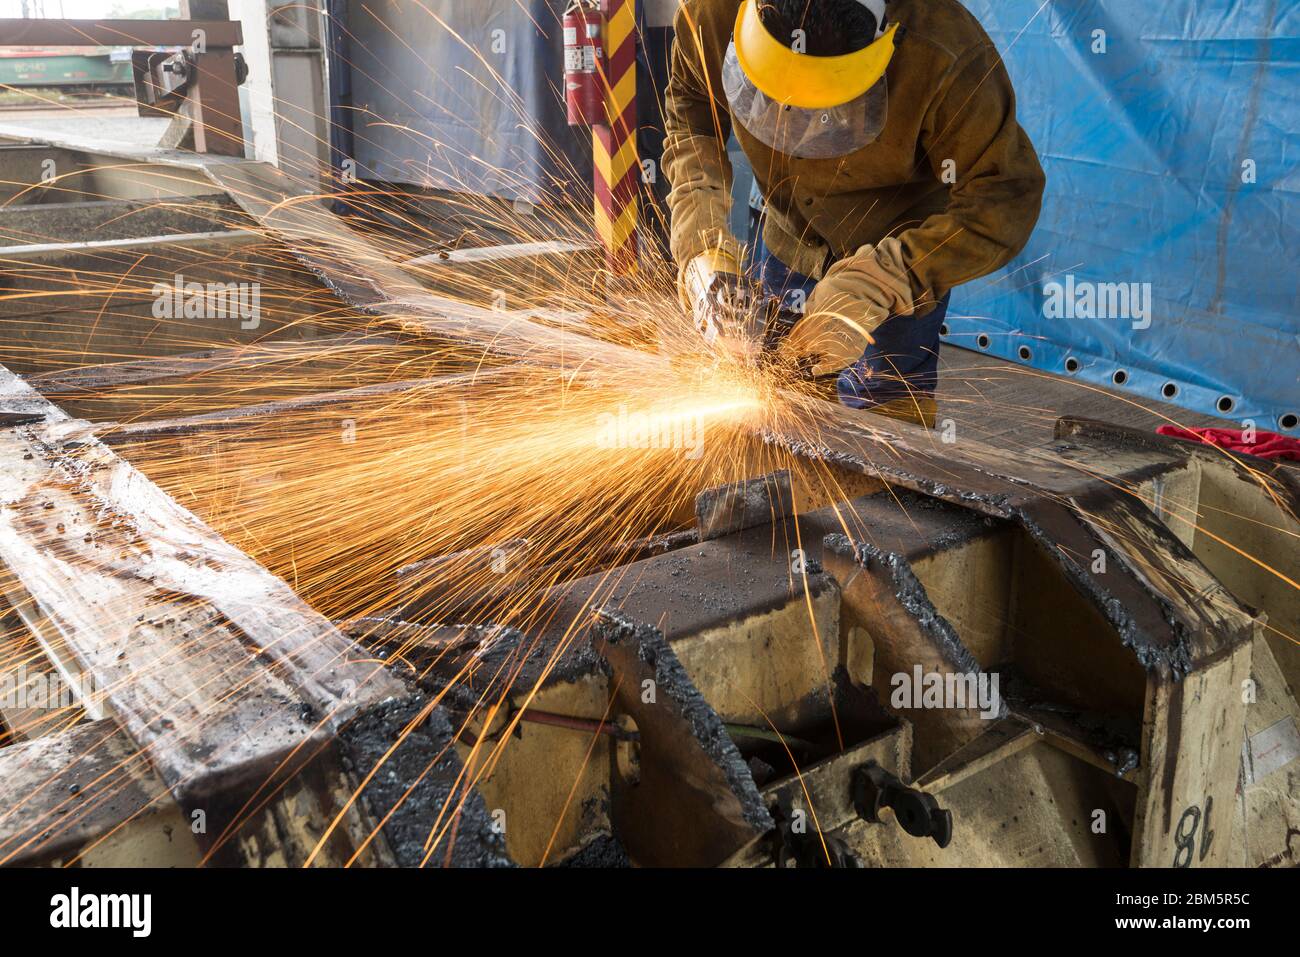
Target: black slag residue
[[426, 755], [605, 850], [707, 728], [988, 493], [911, 594], [1010, 497]]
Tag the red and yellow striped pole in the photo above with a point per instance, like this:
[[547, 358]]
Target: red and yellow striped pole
[[616, 165]]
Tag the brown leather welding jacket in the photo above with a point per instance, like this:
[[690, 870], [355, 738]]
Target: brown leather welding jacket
[[949, 99]]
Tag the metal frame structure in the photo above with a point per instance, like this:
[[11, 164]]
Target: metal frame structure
[[235, 725]]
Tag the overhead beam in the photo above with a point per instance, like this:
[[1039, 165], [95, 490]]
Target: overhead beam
[[116, 33], [41, 252]]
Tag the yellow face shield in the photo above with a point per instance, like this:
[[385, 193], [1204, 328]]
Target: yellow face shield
[[799, 79]]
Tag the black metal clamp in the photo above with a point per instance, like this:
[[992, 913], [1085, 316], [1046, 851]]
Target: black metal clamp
[[873, 789], [797, 847]]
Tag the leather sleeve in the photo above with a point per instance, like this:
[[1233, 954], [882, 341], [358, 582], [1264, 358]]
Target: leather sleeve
[[695, 152], [971, 134]]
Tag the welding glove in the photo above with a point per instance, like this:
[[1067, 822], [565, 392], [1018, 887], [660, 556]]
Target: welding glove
[[856, 295], [717, 293]]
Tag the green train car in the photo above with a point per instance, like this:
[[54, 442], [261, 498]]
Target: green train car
[[81, 70]]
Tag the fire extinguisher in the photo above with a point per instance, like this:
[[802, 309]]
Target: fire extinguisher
[[583, 62]]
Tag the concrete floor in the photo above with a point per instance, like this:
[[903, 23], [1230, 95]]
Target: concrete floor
[[114, 126]]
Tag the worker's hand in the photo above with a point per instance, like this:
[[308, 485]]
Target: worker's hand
[[857, 294], [717, 294]]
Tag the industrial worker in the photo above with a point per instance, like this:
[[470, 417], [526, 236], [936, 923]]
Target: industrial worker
[[884, 142]]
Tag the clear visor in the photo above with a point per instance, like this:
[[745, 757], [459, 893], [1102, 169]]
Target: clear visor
[[808, 134]]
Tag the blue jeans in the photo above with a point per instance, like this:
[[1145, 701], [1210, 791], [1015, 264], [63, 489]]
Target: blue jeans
[[902, 362]]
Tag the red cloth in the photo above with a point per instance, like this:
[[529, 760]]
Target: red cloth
[[1267, 445]]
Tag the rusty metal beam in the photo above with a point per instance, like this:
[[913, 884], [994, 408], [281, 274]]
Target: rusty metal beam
[[733, 508], [240, 417], [1092, 525], [88, 797], [96, 378], [257, 715], [217, 671]]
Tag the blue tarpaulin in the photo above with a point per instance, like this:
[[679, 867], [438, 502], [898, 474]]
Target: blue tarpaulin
[[1165, 260]]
